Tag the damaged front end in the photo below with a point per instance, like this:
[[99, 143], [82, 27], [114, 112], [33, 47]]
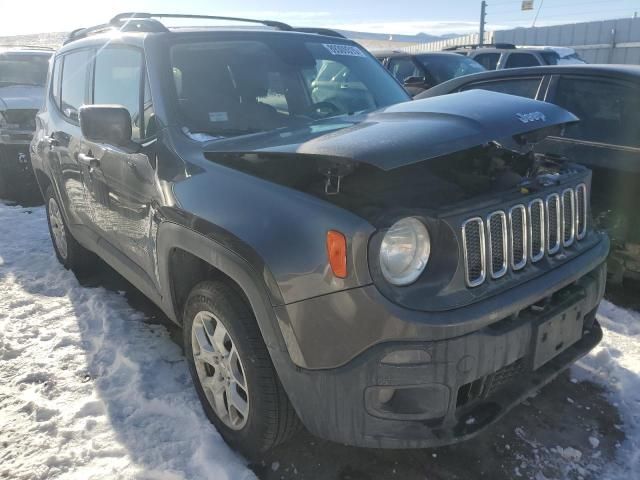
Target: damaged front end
[[496, 214]]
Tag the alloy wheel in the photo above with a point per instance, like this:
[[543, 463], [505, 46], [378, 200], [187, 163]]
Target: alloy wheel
[[220, 370]]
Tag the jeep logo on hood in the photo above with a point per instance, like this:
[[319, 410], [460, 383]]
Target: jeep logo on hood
[[531, 117]]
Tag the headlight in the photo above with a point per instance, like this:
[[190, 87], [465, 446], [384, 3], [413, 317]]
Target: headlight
[[404, 251]]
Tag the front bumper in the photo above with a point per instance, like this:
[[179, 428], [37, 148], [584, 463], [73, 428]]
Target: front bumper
[[448, 389], [16, 170]]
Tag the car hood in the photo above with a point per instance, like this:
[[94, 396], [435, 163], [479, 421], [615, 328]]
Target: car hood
[[21, 97], [409, 132]]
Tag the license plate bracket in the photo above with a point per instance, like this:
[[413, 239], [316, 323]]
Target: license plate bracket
[[557, 333]]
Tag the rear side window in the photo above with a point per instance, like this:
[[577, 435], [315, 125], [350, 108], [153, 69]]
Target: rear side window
[[488, 60], [522, 87], [74, 83], [607, 110], [519, 60], [118, 74], [55, 81]]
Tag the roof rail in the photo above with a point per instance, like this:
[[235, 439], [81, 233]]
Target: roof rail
[[142, 15], [320, 31], [474, 46], [147, 22]]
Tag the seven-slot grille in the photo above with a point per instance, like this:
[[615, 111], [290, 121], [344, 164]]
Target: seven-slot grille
[[523, 233]]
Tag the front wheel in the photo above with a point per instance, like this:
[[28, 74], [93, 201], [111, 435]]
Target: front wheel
[[232, 371]]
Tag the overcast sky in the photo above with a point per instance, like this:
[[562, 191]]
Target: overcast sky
[[398, 16]]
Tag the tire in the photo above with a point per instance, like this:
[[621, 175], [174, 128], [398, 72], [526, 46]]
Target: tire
[[69, 252], [270, 418]]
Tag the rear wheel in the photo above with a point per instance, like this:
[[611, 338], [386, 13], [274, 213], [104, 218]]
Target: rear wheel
[[69, 252], [232, 371]]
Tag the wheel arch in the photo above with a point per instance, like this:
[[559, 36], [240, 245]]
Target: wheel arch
[[186, 254]]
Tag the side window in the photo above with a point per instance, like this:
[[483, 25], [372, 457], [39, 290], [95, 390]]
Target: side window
[[519, 60], [488, 60], [607, 110], [402, 68], [55, 81], [118, 73], [522, 87], [74, 83]]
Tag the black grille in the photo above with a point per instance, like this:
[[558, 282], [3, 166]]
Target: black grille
[[581, 211], [473, 239], [518, 231], [503, 377], [497, 231], [536, 222], [568, 217], [553, 223], [25, 118]]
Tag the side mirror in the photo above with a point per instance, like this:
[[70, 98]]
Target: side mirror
[[109, 124]]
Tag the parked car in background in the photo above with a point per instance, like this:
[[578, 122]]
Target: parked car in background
[[505, 55], [606, 98], [333, 251], [420, 72], [23, 74]]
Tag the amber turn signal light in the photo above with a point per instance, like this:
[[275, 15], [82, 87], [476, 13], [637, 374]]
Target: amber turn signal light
[[337, 253]]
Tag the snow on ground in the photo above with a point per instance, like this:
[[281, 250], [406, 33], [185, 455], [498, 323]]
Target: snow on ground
[[88, 390], [615, 363]]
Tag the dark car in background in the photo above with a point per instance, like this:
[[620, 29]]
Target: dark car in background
[[606, 98], [499, 56], [23, 74], [334, 252], [420, 72]]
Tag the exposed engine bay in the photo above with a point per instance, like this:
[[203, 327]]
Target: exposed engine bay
[[451, 179], [430, 185]]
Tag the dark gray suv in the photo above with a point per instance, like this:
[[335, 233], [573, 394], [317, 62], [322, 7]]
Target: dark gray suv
[[391, 273]]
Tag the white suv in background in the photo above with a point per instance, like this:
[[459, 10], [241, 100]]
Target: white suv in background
[[505, 55]]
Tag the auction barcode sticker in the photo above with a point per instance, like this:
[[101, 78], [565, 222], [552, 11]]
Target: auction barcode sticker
[[348, 50]]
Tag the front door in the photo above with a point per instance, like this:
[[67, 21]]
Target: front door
[[122, 180]]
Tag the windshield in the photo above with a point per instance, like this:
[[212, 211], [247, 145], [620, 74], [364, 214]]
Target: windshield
[[23, 69], [227, 88], [554, 58], [445, 67]]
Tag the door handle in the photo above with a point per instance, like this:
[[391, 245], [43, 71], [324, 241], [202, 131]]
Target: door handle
[[51, 141], [89, 160]]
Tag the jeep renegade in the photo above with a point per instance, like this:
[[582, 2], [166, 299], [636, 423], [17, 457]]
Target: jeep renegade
[[391, 273]]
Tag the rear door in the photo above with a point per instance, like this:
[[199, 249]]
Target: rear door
[[62, 145]]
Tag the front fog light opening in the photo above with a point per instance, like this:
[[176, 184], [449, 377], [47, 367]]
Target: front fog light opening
[[404, 251]]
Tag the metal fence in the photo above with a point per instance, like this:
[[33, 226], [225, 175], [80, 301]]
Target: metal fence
[[605, 41], [470, 39]]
